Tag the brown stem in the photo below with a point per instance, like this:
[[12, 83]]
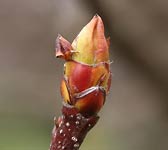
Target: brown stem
[[70, 129]]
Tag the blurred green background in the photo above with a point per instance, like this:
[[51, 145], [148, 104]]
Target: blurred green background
[[135, 116]]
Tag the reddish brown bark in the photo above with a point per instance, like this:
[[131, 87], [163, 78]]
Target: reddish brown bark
[[70, 129]]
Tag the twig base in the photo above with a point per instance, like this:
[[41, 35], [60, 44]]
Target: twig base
[[70, 129]]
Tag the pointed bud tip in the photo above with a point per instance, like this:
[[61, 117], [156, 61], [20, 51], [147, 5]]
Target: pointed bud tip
[[96, 15]]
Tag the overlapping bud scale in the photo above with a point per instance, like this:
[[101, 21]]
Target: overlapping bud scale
[[87, 74]]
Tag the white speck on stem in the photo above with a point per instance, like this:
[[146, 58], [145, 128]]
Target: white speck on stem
[[61, 131], [76, 145], [74, 139], [78, 117], [59, 146], [60, 124], [67, 124], [77, 122]]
